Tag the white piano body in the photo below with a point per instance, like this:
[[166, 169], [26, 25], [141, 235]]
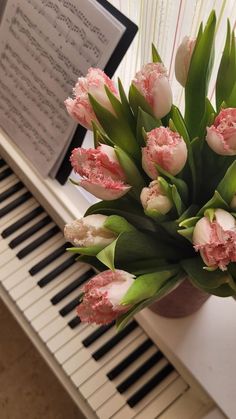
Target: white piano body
[[201, 347]]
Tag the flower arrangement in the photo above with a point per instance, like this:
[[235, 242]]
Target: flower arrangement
[[167, 182]]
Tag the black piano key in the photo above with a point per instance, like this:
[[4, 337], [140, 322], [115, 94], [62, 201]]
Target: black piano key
[[139, 372], [16, 203], [2, 162], [74, 322], [97, 334], [119, 368], [5, 173], [56, 272], [21, 222], [38, 242], [72, 286], [48, 259], [10, 191], [29, 232], [68, 308], [114, 340], [150, 385]]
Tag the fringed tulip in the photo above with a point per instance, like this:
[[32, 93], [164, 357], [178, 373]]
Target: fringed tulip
[[79, 107], [153, 84], [221, 136], [89, 231], [183, 59], [102, 297], [100, 171], [216, 240], [165, 148], [153, 198]]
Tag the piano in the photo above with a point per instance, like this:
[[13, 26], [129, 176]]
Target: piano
[[155, 368]]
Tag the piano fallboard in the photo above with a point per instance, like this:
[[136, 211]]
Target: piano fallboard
[[146, 370]]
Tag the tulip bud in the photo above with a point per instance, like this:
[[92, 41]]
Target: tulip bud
[[101, 172], [233, 203], [89, 231], [221, 136], [216, 240], [102, 297], [153, 84], [80, 108], [153, 198], [183, 59], [165, 148]]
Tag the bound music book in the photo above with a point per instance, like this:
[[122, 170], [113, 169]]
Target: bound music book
[[44, 47]]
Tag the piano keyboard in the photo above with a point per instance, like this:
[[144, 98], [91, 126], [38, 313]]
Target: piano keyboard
[[119, 375]]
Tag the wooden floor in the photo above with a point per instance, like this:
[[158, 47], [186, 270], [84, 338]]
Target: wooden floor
[[28, 388]]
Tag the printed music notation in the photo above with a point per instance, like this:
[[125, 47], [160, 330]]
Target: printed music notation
[[44, 47]]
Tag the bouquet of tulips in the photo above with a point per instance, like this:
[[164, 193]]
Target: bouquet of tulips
[[167, 182]]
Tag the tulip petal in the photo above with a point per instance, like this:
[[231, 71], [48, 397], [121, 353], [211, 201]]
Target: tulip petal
[[107, 191]]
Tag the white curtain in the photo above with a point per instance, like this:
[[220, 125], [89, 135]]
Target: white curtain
[[165, 23]]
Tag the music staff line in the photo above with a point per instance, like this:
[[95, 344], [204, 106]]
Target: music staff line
[[37, 80], [15, 99], [31, 92], [85, 48], [75, 12]]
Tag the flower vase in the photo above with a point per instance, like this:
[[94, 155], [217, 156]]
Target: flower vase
[[182, 301]]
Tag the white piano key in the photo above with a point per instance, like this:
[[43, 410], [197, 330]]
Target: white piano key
[[80, 376], [18, 213], [64, 336], [14, 196], [17, 275], [72, 345], [112, 405], [99, 378], [28, 283], [8, 182], [54, 327], [160, 403], [84, 354], [141, 406], [43, 302], [185, 407], [36, 293], [104, 393]]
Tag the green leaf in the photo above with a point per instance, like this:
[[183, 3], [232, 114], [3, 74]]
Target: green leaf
[[231, 101], [165, 289], [126, 107], [181, 186], [118, 130], [118, 224], [207, 119], [132, 174], [146, 286], [189, 222], [137, 100], [198, 76], [226, 74], [126, 207], [155, 56], [147, 122], [215, 202], [201, 278], [187, 233], [227, 186], [90, 251], [177, 200], [107, 255], [144, 266]]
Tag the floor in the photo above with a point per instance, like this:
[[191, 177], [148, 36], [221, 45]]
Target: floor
[[28, 388]]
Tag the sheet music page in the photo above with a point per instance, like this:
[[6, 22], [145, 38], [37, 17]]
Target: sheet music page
[[45, 45]]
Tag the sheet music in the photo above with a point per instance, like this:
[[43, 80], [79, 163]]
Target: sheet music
[[44, 47]]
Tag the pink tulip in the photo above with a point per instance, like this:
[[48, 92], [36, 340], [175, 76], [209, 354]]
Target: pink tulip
[[102, 297], [165, 148], [100, 171], [183, 59], [79, 107], [216, 240], [89, 231], [221, 136], [153, 198], [153, 83]]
